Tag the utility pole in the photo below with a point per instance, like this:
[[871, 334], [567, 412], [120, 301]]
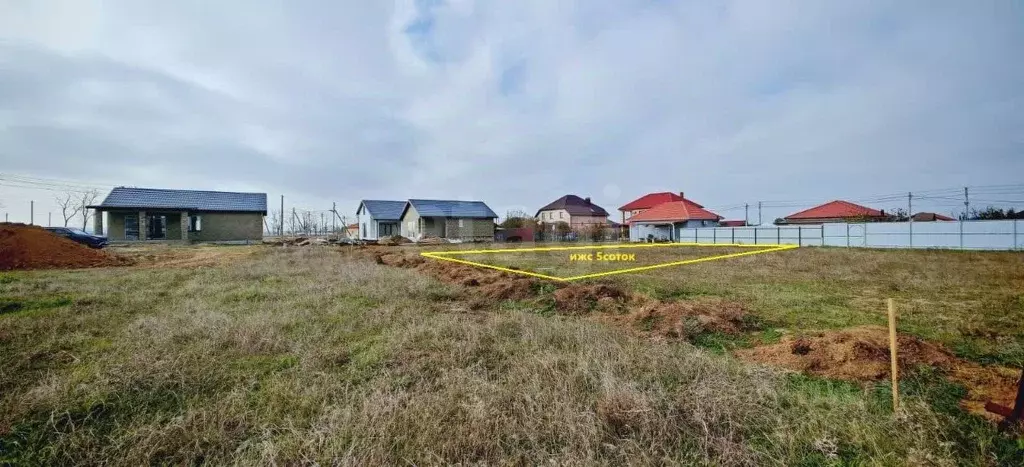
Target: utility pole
[[323, 225], [282, 216], [967, 205], [334, 217], [49, 219], [31, 213], [746, 214], [758, 213], [910, 216]]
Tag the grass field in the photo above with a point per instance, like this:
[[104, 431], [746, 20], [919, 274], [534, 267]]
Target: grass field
[[306, 355]]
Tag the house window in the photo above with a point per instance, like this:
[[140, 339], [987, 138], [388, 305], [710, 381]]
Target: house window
[[195, 223], [560, 214], [461, 224]]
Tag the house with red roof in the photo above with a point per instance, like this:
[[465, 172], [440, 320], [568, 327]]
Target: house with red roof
[[646, 202], [664, 221], [836, 211]]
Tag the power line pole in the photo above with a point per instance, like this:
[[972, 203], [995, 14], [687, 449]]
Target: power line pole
[[49, 219], [31, 213], [323, 224], [967, 205], [746, 214], [758, 213], [334, 217], [910, 216]]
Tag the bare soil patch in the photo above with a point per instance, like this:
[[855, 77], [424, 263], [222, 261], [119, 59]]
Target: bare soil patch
[[30, 247], [862, 354]]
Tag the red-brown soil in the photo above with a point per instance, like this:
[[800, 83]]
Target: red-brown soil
[[30, 247], [862, 354]]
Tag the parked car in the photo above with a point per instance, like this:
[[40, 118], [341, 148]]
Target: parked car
[[79, 236]]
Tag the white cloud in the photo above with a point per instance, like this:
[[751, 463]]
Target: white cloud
[[515, 103]]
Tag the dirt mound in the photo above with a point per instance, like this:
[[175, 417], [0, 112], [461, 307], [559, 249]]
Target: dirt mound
[[855, 354], [394, 240], [429, 240], [578, 299], [30, 247], [862, 354], [688, 319], [398, 260]]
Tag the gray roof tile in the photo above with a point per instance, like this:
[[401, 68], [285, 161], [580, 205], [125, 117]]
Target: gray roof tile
[[384, 210], [451, 208], [192, 200]]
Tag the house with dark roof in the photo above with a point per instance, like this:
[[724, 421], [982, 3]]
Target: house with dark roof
[[379, 219], [579, 213], [836, 211], [930, 217], [664, 221], [139, 214], [451, 219]]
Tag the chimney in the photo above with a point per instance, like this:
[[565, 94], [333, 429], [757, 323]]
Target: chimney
[[682, 195], [587, 199]]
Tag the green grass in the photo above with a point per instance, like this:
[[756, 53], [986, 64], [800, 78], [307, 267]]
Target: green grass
[[307, 356]]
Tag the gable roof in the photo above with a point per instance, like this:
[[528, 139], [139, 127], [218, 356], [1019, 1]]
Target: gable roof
[[930, 216], [450, 208], [190, 200], [837, 209], [675, 211], [651, 200], [383, 210], [575, 206]]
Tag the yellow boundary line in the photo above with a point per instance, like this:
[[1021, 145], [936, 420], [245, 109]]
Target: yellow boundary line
[[445, 256]]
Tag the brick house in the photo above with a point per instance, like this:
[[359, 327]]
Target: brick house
[[579, 213], [140, 214], [451, 219], [836, 211]]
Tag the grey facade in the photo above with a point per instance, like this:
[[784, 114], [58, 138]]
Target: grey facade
[[455, 220], [140, 214]]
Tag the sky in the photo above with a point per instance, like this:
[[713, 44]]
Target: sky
[[515, 103]]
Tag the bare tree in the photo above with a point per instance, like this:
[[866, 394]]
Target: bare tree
[[275, 222], [88, 198], [68, 204]]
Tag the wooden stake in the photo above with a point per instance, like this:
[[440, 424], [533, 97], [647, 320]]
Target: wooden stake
[[892, 354]]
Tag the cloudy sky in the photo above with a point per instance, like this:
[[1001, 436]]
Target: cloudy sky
[[513, 102]]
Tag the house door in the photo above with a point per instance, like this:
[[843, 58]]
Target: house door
[[131, 227], [156, 227]]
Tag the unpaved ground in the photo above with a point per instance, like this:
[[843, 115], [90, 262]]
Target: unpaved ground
[[862, 354], [859, 354], [31, 247], [184, 256]]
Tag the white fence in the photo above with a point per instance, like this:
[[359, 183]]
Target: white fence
[[968, 235]]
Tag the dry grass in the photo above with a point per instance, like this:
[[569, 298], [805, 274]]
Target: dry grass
[[305, 355]]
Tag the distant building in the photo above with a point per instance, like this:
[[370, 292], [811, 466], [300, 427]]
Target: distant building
[[646, 202], [379, 219], [664, 221], [836, 211], [579, 213], [451, 219], [733, 223], [930, 217], [139, 214]]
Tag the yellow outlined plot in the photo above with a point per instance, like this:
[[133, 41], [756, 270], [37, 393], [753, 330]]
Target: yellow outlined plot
[[448, 255]]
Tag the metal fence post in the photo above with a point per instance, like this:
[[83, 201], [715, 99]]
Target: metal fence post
[[695, 236], [755, 235], [847, 234], [714, 235], [734, 235], [778, 235], [799, 236], [961, 234]]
